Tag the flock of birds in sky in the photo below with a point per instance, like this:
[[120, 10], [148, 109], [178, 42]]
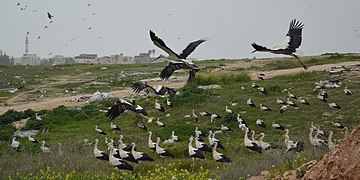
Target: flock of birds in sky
[[119, 155]]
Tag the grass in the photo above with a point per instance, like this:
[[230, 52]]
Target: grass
[[70, 126]]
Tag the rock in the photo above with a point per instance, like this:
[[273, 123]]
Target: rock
[[289, 175], [265, 173], [213, 86]]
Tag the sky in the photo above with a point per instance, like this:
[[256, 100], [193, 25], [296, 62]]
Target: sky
[[120, 26]]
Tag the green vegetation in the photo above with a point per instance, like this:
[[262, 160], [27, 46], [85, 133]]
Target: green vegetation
[[71, 125]]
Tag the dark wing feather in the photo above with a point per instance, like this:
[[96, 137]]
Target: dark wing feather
[[161, 44], [173, 66], [190, 48], [295, 34], [117, 109], [139, 86], [259, 48]]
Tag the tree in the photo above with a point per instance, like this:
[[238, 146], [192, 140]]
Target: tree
[[5, 60]]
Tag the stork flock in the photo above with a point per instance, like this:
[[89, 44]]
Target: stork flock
[[121, 155]]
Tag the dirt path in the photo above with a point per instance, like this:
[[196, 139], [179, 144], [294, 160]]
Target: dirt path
[[49, 103]]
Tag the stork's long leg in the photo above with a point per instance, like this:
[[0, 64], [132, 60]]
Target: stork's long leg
[[302, 64]]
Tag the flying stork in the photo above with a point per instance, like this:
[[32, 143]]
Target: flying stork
[[159, 91], [289, 45], [178, 61], [124, 106]]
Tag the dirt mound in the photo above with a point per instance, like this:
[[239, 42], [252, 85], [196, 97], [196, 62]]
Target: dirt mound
[[342, 163]]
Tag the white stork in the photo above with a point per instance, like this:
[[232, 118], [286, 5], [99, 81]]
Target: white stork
[[266, 145], [123, 106], [330, 144], [99, 154], [114, 127], [250, 103], [321, 97], [204, 113], [319, 143], [15, 143], [159, 107], [316, 128], [159, 91], [254, 85], [291, 42], [348, 91], [229, 111], [139, 156], [214, 116], [334, 105], [277, 126], [283, 108], [174, 137], [219, 157], [338, 125], [291, 103], [194, 115], [169, 103], [303, 101], [291, 95], [31, 139], [194, 153], [159, 123], [117, 162], [200, 145], [251, 145], [99, 130], [161, 151], [179, 60], [44, 149], [264, 108], [141, 126], [37, 117], [261, 123], [212, 139], [279, 101], [151, 144], [296, 146], [263, 90], [125, 155], [225, 128]]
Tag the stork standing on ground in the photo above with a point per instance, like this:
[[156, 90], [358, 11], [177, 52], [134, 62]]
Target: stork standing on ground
[[291, 103], [251, 145], [250, 103], [31, 139], [194, 153], [330, 144], [117, 162], [348, 91], [204, 113], [15, 143], [334, 105], [114, 127], [174, 137], [200, 145], [212, 139], [161, 151], [229, 111], [151, 144], [303, 101], [214, 116], [296, 146], [194, 115], [338, 125], [139, 156], [278, 126], [160, 124], [266, 145], [99, 154], [219, 157], [99, 130], [225, 128], [159, 107], [289, 45], [283, 108], [169, 103], [264, 108], [44, 149], [178, 59], [260, 123], [290, 95], [279, 101]]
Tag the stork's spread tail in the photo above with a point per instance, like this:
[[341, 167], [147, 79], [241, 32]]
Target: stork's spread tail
[[259, 48]]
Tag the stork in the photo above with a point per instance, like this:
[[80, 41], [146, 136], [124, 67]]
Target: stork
[[37, 117], [141, 126], [194, 153], [254, 85], [123, 106], [214, 116], [212, 139], [296, 146], [99, 130], [31, 139], [291, 103], [219, 157], [338, 125], [348, 91], [321, 97], [194, 115], [250, 103], [114, 127], [279, 101], [151, 144], [229, 111], [161, 151], [334, 105], [204, 113], [224, 128], [179, 60], [263, 90], [319, 143], [264, 108], [303, 101], [200, 145], [316, 128], [290, 95], [251, 145], [159, 91], [261, 123], [169, 103], [125, 155], [99, 154], [174, 137], [160, 124], [330, 144], [278, 126], [159, 107], [117, 162], [49, 15], [266, 145], [43, 148], [15, 143], [291, 42], [139, 156], [283, 108]]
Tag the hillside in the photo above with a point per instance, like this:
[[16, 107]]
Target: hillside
[[71, 125]]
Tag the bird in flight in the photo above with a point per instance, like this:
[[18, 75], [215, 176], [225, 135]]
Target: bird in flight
[[49, 15], [178, 60], [289, 45]]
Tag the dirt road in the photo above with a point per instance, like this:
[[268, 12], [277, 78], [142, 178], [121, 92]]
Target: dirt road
[[50, 103]]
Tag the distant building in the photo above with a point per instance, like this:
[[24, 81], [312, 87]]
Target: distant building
[[86, 59], [28, 59], [116, 59], [143, 58]]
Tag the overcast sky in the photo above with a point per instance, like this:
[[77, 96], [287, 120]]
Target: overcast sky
[[119, 26]]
